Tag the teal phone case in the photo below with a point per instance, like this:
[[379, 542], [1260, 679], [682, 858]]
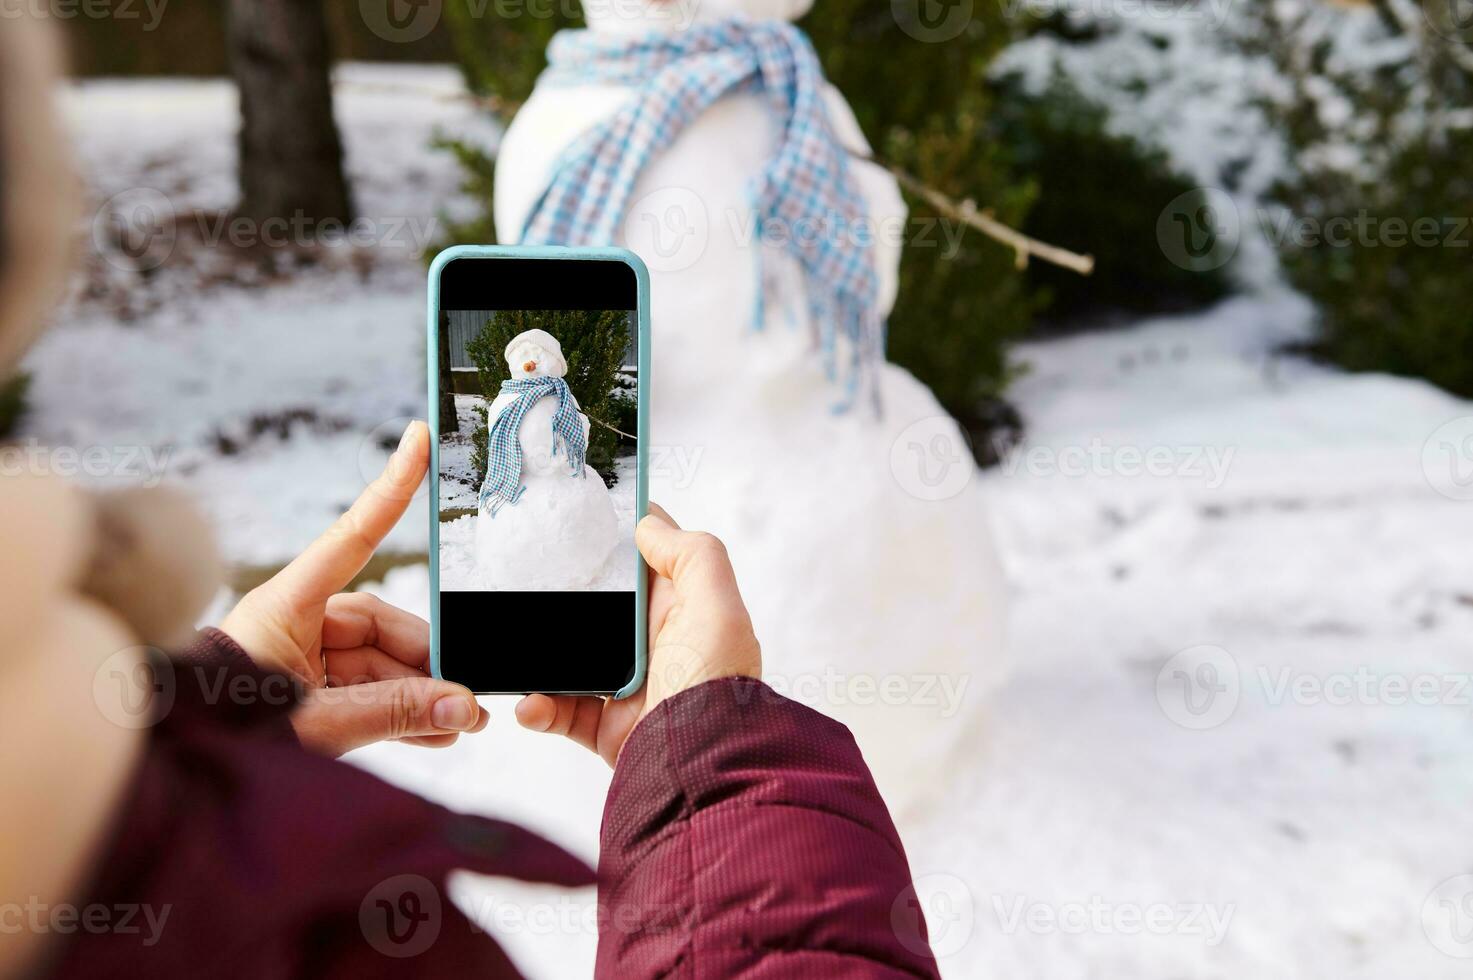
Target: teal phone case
[[642, 495]]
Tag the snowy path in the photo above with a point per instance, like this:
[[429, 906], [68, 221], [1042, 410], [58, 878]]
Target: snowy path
[[1292, 531]]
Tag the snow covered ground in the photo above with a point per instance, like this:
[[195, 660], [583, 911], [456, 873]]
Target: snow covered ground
[[275, 395], [458, 486], [1313, 579], [1237, 741]]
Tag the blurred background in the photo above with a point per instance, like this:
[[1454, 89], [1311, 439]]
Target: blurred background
[[1229, 470]]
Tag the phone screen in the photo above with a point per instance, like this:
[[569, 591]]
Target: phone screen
[[537, 411]]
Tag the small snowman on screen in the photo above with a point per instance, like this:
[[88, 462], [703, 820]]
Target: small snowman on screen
[[546, 521]]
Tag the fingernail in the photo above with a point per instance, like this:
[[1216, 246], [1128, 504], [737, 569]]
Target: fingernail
[[455, 713], [404, 439]]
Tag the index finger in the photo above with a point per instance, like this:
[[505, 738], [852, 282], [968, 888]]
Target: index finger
[[330, 562], [359, 619]]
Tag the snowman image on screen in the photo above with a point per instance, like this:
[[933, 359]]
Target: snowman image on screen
[[545, 521], [694, 134]]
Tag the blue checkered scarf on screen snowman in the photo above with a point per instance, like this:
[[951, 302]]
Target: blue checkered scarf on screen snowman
[[503, 483], [807, 186]]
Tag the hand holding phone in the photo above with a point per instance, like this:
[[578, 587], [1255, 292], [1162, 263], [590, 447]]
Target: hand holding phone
[[362, 661], [699, 631]]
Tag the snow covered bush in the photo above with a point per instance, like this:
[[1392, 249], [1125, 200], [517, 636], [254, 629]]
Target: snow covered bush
[[1377, 104], [594, 344], [1402, 308], [477, 183], [1102, 193]]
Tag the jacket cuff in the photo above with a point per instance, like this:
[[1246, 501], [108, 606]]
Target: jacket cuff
[[213, 675], [214, 647], [735, 742]]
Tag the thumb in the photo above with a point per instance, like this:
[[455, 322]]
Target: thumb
[[658, 539], [695, 556], [334, 720]]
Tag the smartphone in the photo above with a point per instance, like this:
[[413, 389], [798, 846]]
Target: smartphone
[[538, 409]]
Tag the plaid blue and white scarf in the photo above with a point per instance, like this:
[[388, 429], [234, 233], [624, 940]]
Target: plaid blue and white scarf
[[806, 192], [503, 483]]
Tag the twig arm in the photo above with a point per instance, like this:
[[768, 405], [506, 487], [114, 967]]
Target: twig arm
[[967, 212], [611, 428]]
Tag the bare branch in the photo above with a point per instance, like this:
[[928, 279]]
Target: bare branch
[[610, 427], [967, 212]]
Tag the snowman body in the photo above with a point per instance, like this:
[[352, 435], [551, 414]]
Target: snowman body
[[561, 533], [855, 574]]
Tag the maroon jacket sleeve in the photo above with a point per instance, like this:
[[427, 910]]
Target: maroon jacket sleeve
[[743, 835], [237, 853]]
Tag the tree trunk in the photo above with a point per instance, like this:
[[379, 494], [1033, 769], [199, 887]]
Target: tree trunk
[[291, 160], [448, 421]]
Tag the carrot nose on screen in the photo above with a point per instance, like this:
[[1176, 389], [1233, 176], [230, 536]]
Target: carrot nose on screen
[[530, 366]]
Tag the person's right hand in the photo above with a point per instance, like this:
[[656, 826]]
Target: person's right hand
[[699, 631]]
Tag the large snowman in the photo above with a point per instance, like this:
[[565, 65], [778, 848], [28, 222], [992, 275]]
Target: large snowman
[[860, 538], [545, 521]]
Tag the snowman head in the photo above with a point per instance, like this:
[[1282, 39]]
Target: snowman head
[[535, 354], [635, 16]]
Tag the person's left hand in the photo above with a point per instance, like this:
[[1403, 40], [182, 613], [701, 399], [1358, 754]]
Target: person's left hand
[[363, 661]]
